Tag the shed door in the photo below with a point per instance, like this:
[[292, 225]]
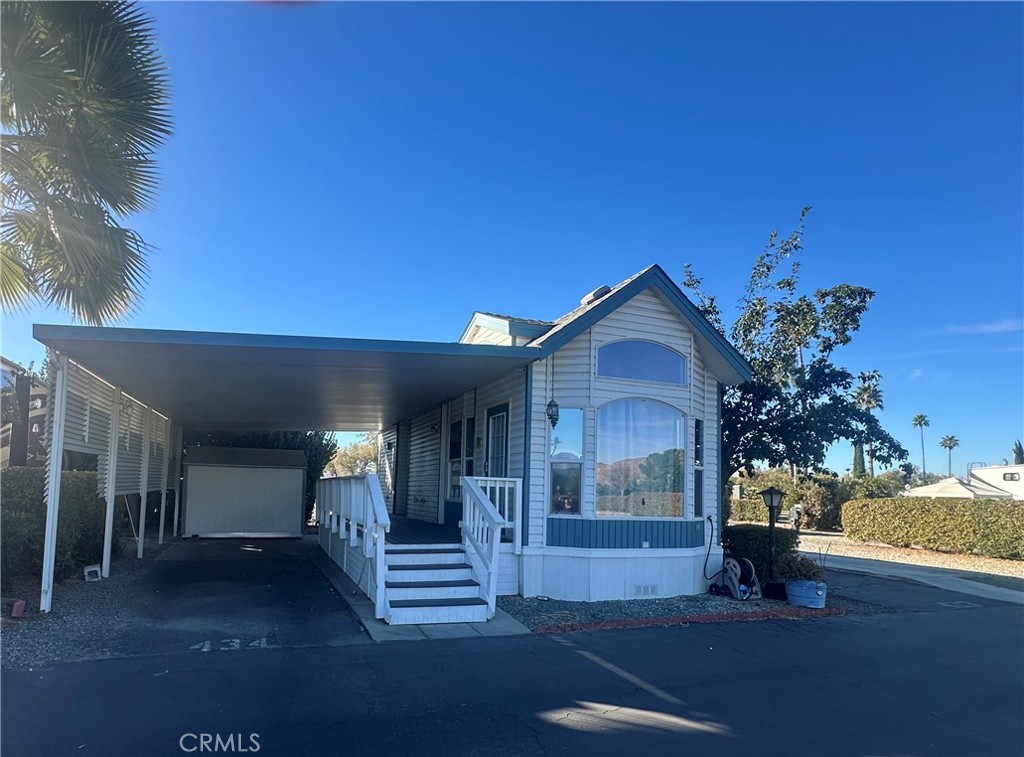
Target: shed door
[[243, 501]]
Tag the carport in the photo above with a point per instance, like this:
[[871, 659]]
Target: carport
[[125, 395]]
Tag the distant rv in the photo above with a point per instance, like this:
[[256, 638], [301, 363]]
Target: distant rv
[[1009, 478]]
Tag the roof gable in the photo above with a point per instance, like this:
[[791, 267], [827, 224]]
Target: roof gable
[[526, 328], [722, 359]]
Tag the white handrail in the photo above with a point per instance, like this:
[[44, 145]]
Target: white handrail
[[506, 494], [382, 524], [355, 507], [481, 529]]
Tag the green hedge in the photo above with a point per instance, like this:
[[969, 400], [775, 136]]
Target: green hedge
[[23, 523], [982, 526], [751, 541], [821, 496]]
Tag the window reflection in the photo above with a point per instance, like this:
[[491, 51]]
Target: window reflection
[[566, 462], [643, 361], [640, 459]]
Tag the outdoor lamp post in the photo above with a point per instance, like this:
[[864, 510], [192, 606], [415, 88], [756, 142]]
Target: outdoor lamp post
[[773, 501]]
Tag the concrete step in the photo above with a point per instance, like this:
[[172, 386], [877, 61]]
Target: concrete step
[[425, 556], [399, 590], [449, 610], [413, 572]]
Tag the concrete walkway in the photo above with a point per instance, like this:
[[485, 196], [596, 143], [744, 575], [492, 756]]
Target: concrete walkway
[[950, 580]]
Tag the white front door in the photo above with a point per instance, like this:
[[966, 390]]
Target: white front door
[[497, 442]]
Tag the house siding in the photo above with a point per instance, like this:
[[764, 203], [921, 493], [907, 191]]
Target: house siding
[[386, 464], [402, 469], [424, 453], [484, 335], [510, 389]]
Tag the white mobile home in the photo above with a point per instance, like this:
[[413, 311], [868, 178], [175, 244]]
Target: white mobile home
[[575, 459]]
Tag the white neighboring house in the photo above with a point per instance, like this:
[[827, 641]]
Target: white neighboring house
[[1009, 478]]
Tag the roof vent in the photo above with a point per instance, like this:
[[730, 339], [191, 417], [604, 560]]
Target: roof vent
[[597, 294]]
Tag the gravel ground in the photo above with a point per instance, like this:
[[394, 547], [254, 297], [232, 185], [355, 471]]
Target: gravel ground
[[838, 544], [85, 616], [538, 613]]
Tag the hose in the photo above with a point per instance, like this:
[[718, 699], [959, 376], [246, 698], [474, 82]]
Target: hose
[[708, 555]]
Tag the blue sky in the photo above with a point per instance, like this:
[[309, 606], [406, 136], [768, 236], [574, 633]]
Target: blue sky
[[384, 170]]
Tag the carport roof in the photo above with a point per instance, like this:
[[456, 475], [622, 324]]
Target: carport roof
[[266, 382]]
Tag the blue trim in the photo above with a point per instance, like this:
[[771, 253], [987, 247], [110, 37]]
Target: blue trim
[[624, 533], [657, 278], [63, 337], [527, 437]]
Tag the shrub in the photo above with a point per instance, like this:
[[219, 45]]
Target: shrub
[[988, 527], [23, 514], [821, 496], [751, 541], [790, 567]]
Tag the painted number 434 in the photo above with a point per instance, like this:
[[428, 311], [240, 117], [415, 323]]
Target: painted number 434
[[229, 645]]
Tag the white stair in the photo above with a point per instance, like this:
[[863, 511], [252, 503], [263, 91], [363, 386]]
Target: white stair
[[432, 583]]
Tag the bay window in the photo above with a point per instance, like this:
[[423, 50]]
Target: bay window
[[640, 459]]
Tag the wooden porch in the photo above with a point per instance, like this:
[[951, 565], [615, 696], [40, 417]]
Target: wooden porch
[[411, 531]]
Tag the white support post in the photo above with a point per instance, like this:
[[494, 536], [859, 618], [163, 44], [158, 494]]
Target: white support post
[[178, 441], [60, 404], [168, 435], [111, 493], [144, 481]]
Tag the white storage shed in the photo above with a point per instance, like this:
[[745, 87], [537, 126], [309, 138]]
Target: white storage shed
[[236, 492]]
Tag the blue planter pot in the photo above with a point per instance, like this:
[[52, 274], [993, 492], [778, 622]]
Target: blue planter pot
[[804, 592]]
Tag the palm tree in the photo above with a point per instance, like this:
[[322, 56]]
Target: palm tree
[[921, 422], [83, 104], [868, 396], [1018, 453], [949, 443]]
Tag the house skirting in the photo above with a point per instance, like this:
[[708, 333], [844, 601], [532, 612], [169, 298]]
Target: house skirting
[[590, 575]]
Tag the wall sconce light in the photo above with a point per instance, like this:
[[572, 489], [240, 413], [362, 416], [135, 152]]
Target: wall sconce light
[[435, 429], [389, 446], [552, 412]]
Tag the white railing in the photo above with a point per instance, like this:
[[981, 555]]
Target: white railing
[[481, 537], [353, 507], [506, 494]]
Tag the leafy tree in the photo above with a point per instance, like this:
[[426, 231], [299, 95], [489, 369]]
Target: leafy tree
[[319, 447], [949, 443], [798, 402], [1018, 453], [868, 397], [355, 459], [921, 421], [84, 105]]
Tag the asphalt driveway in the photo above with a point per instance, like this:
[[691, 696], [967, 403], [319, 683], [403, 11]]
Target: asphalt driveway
[[196, 596], [234, 594]]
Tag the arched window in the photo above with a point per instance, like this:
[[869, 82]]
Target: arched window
[[640, 459], [644, 361]]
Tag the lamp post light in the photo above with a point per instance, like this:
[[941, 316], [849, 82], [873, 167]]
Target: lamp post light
[[773, 501], [552, 412]]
